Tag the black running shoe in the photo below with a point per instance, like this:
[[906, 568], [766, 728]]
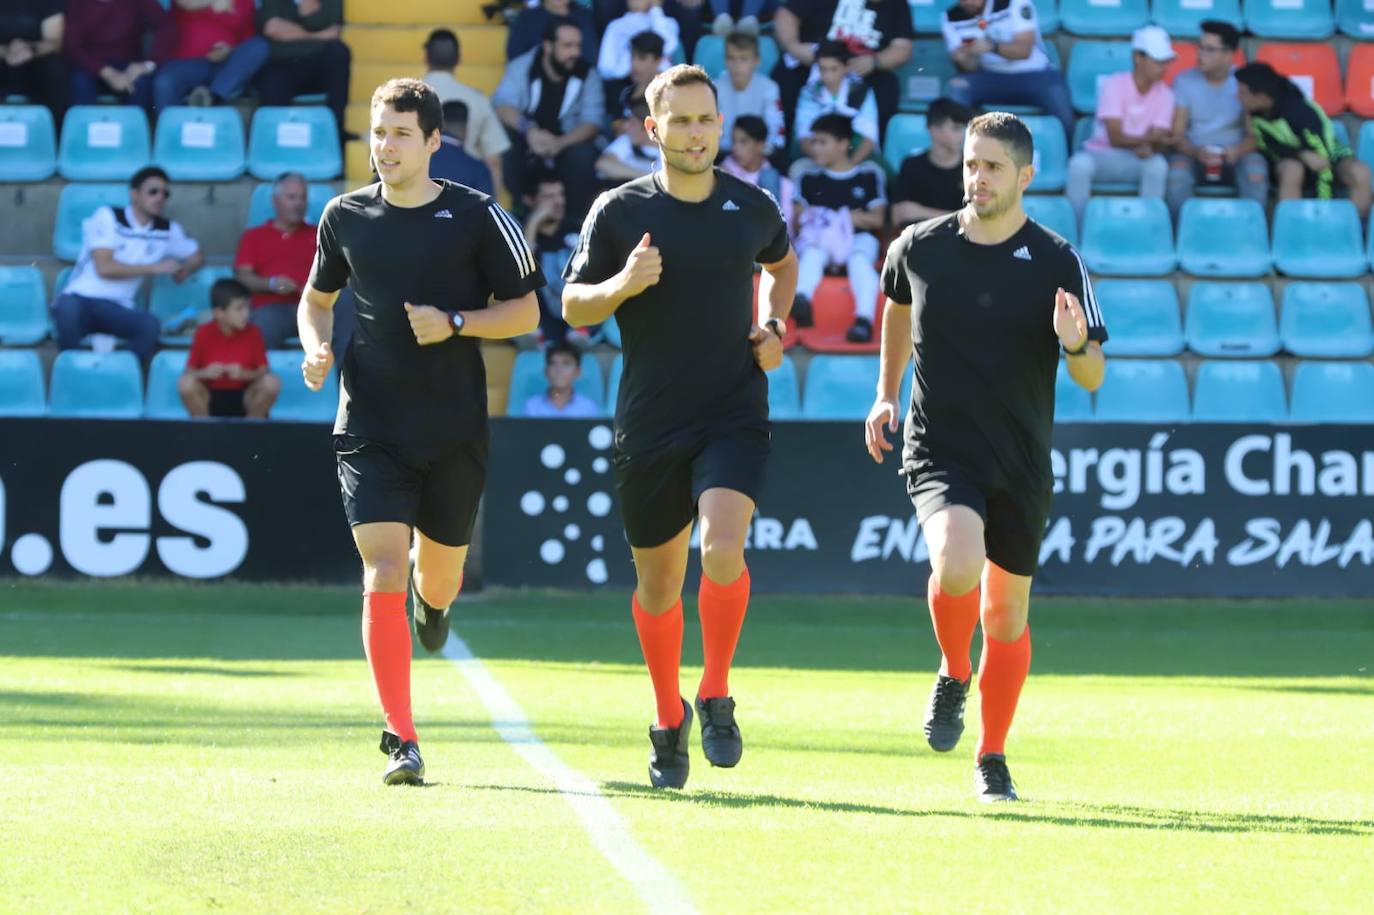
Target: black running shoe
[[669, 764], [720, 740], [802, 312], [431, 625], [945, 715], [992, 781], [861, 331], [405, 766]]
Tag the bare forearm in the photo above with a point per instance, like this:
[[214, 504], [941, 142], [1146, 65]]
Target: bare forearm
[[612, 167], [194, 262], [248, 277], [1088, 369], [591, 303], [280, 29], [777, 289], [909, 211], [114, 270], [314, 324], [896, 349], [503, 320], [895, 54], [508, 116], [579, 134], [867, 220]]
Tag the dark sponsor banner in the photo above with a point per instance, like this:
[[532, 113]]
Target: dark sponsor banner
[[1138, 510], [251, 501]]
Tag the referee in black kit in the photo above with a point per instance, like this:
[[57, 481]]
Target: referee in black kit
[[434, 266], [985, 299], [672, 256]]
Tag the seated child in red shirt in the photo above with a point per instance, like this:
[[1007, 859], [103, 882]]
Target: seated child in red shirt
[[226, 372]]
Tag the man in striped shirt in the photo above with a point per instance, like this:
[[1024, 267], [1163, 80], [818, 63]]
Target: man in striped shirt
[[435, 267]]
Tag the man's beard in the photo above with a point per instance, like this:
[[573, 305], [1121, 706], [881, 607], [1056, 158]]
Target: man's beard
[[680, 162], [564, 69], [997, 206]]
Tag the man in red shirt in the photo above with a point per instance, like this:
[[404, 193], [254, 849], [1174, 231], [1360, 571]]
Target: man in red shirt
[[216, 55], [226, 372], [274, 260]]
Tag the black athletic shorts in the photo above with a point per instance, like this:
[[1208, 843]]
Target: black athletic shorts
[[658, 490], [1013, 517], [437, 495], [227, 403]]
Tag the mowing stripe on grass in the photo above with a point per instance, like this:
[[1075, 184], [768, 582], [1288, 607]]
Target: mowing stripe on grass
[[659, 889]]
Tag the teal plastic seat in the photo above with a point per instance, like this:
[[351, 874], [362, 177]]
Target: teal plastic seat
[[609, 333], [1072, 403], [1223, 237], [28, 143], [103, 143], [527, 380], [1239, 392], [23, 306], [200, 144], [1182, 18], [1318, 239], [1051, 157], [784, 391], [1290, 19], [301, 139], [169, 299], [710, 55], [921, 79], [926, 15], [1128, 236], [906, 136], [1142, 317], [260, 207], [96, 385], [613, 382], [1333, 392], [1054, 213], [1047, 11], [1090, 60], [296, 402], [163, 401], [74, 204], [1231, 319], [841, 387], [1096, 17], [1354, 19], [21, 383], [1143, 391], [1326, 321]]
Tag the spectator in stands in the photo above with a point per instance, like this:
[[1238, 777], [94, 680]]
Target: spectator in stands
[[1211, 143], [1295, 135], [452, 160], [842, 208], [562, 368], [1000, 53], [646, 60], [33, 66], [226, 371], [748, 161], [742, 89], [547, 233], [119, 247], [531, 26], [750, 13], [630, 155], [485, 138], [550, 100], [931, 183], [613, 62], [836, 90], [273, 260], [114, 46], [305, 54], [216, 56], [1135, 120], [878, 34]]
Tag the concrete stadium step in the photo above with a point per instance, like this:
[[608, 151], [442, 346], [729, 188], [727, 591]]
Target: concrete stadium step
[[367, 77], [482, 45], [409, 12]]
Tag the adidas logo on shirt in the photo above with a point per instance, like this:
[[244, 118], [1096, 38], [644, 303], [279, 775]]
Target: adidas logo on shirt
[[443, 214], [730, 205], [1022, 253]]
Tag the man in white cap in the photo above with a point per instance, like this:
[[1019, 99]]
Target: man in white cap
[[1135, 112]]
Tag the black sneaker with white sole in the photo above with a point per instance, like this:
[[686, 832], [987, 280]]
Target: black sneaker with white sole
[[404, 766], [431, 624], [991, 779], [669, 764], [720, 738], [945, 714]]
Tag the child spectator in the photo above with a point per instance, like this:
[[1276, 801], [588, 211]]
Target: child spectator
[[226, 371], [748, 161], [630, 155], [644, 16], [742, 89], [837, 91], [562, 368], [646, 60], [931, 183]]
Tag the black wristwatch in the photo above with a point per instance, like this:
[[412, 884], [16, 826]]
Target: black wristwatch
[[458, 322], [1082, 348], [777, 326]]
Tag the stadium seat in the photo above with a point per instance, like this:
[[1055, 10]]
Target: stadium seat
[[1143, 391], [1103, 17], [96, 385], [28, 143], [21, 383], [710, 54], [609, 333], [1318, 239], [1231, 319], [1128, 236], [297, 402], [1313, 67], [23, 306], [1223, 237], [832, 309], [1180, 18], [841, 387], [1083, 131], [784, 391], [74, 204], [1239, 392], [1072, 403], [1342, 134], [103, 143], [1051, 158], [301, 139], [527, 380], [1048, 13], [1089, 61], [1054, 213], [260, 204], [163, 401], [906, 136], [169, 299], [1365, 148], [1354, 18], [1142, 317], [922, 78], [613, 382], [1326, 320], [925, 16], [1359, 77], [1333, 392], [1300, 19], [200, 144]]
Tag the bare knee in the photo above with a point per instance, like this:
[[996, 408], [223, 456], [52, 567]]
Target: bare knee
[[386, 573], [722, 555], [957, 571], [1004, 618], [439, 589]]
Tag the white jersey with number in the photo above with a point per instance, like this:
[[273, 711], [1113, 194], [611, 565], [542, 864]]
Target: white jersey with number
[[999, 21]]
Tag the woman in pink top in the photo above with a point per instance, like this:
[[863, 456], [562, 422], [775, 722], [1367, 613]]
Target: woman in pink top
[[216, 54]]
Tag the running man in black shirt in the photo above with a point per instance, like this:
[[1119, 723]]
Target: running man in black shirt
[[672, 256], [986, 298], [424, 259]]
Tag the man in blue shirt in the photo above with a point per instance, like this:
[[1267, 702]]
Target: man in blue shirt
[[451, 160], [562, 368]]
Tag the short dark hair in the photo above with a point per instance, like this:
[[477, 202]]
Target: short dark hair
[[1011, 130], [553, 349], [836, 50], [443, 50], [225, 291], [1260, 77], [678, 75], [753, 126], [743, 41], [555, 23], [647, 43], [944, 110], [639, 109], [541, 174], [143, 174], [1226, 33], [412, 95], [455, 114], [839, 126]]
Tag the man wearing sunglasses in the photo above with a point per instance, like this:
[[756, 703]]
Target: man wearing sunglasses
[[119, 247]]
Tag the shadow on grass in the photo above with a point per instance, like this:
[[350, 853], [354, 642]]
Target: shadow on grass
[[1313, 689], [208, 670]]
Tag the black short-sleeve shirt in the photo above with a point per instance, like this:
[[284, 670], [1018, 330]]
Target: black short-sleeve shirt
[[982, 329], [922, 181], [867, 26], [454, 253], [689, 367]]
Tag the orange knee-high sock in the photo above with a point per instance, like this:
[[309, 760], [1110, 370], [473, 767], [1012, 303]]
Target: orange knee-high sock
[[1001, 673], [722, 609], [660, 638], [386, 641], [954, 619]]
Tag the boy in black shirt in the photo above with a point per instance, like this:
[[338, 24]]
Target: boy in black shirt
[[931, 183]]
